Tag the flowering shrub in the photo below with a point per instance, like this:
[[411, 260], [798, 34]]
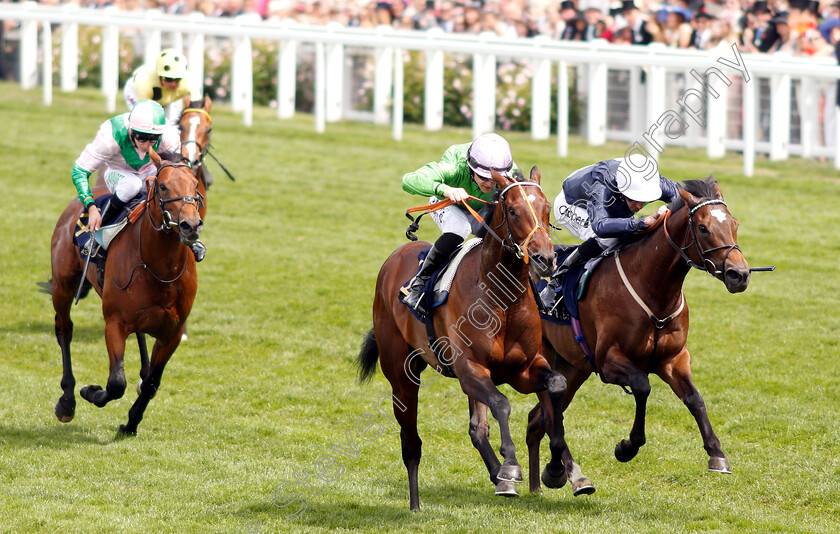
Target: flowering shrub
[[513, 81], [90, 57]]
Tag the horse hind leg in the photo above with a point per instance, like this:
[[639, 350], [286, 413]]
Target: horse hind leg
[[395, 361], [62, 296], [480, 436]]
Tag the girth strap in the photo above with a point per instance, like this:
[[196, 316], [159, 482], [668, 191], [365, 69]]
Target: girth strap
[[659, 323]]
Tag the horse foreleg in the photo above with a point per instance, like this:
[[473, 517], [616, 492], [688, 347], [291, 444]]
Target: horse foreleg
[[115, 388], [617, 370], [533, 437], [144, 359], [678, 376], [479, 386], [480, 436], [161, 352]]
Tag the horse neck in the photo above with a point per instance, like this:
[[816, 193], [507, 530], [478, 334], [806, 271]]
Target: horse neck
[[655, 268], [505, 274], [161, 250]]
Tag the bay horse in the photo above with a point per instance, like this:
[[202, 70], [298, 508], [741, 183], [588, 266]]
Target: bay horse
[[635, 319], [150, 284], [489, 332]]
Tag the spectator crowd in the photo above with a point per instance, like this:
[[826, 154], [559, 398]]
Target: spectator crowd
[[801, 27]]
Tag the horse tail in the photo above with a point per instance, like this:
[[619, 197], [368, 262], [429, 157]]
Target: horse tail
[[45, 287], [368, 356]]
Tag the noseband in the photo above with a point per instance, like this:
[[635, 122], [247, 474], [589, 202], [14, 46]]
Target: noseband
[[706, 264], [167, 223], [520, 249]]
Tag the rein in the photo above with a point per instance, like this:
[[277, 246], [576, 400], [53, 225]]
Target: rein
[[514, 247], [165, 226]]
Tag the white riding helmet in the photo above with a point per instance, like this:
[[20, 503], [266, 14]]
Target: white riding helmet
[[171, 64], [147, 117], [489, 151], [638, 181]]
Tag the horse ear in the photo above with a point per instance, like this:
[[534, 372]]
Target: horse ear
[[689, 199], [207, 103], [502, 181], [535, 174], [187, 102], [155, 158], [716, 187]]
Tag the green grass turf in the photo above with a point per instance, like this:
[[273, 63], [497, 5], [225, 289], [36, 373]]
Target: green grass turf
[[265, 385]]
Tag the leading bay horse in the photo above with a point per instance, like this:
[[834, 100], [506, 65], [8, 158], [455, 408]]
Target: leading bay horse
[[489, 332], [150, 284], [196, 129], [635, 319]]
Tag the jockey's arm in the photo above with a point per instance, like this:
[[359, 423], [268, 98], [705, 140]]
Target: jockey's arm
[[430, 179], [603, 207]]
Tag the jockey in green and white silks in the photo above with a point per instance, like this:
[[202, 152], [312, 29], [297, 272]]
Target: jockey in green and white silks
[[122, 147], [463, 171]]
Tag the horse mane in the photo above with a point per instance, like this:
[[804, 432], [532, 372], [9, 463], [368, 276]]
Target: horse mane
[[703, 189], [172, 157]]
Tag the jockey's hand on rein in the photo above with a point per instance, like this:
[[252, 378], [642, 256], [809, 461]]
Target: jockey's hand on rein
[[456, 194], [94, 218]]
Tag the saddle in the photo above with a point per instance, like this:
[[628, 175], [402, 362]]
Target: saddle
[[97, 249], [572, 286], [437, 289]]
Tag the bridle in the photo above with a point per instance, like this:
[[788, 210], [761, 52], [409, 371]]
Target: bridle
[[705, 264], [202, 150], [509, 242], [167, 223], [165, 226], [520, 249]]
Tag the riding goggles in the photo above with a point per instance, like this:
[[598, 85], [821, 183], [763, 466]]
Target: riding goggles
[[142, 137]]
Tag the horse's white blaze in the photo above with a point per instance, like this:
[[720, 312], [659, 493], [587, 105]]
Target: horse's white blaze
[[192, 148], [532, 198], [718, 214]]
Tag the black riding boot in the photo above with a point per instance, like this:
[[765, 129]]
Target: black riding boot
[[198, 250], [584, 252], [440, 252], [111, 211]]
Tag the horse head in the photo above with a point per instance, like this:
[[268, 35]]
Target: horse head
[[196, 128], [524, 211], [712, 234], [178, 198]]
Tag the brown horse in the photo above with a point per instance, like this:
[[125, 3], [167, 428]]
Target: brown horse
[[489, 332], [150, 284], [196, 129], [635, 319]]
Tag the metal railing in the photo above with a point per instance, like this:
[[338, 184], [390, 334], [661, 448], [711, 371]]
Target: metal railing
[[649, 97]]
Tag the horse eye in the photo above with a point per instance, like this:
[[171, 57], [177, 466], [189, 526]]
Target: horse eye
[[702, 228], [163, 187], [512, 211]]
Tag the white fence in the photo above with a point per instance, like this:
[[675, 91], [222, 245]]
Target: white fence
[[649, 97]]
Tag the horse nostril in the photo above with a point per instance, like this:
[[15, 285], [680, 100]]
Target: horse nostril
[[734, 275]]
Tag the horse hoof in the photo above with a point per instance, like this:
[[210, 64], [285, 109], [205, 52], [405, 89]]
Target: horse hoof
[[123, 430], [506, 488], [510, 473], [65, 413], [582, 486], [719, 465], [184, 336], [624, 451], [552, 481]]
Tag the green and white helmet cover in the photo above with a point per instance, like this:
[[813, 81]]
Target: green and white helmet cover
[[147, 117]]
